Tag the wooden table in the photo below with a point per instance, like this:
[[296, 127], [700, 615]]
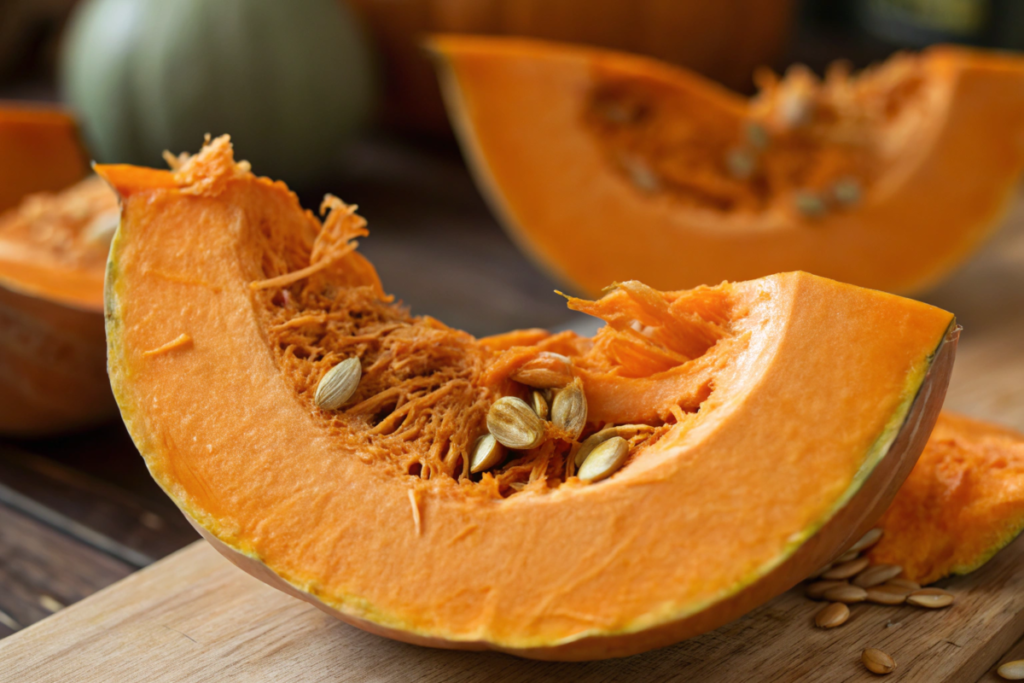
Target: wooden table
[[79, 513]]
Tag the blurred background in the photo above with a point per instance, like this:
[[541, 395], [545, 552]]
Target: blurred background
[[78, 512]]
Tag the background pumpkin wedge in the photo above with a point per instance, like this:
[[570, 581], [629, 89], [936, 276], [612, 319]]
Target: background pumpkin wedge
[[962, 503], [823, 395], [53, 249], [40, 151], [607, 167]]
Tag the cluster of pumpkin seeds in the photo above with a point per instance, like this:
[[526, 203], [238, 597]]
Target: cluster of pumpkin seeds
[[556, 397], [852, 579]]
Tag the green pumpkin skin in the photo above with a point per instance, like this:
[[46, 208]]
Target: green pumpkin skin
[[291, 81]]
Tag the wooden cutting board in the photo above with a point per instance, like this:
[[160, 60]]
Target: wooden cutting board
[[194, 617]]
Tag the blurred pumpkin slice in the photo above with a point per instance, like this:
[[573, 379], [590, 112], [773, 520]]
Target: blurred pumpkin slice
[[53, 250], [962, 503], [609, 167]]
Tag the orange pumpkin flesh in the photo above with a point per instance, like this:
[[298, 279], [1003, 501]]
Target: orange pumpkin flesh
[[39, 152], [962, 503], [608, 167], [784, 418]]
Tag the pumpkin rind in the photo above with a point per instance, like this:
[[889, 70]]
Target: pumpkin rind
[[937, 190], [815, 420]]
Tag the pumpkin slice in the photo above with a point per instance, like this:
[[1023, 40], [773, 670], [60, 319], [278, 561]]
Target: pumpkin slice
[[53, 250], [962, 503], [608, 167], [39, 152], [779, 417]]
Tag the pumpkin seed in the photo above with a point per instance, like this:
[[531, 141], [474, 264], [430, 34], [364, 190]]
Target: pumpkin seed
[[878, 662], [338, 385], [820, 572], [931, 598], [848, 556], [625, 431], [847, 570], [832, 615], [643, 177], [1012, 671], [887, 595], [757, 135], [867, 540], [846, 593], [487, 453], [847, 191], [546, 370], [604, 460], [904, 583], [877, 574], [816, 591], [741, 163], [809, 204], [514, 424], [539, 404], [569, 409]]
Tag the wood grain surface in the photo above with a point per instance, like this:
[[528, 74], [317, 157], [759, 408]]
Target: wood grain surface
[[195, 617]]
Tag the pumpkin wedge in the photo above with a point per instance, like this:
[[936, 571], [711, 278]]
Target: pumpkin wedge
[[772, 421], [608, 167], [39, 152], [53, 249], [962, 503]]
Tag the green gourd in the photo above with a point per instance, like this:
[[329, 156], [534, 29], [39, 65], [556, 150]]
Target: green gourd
[[290, 81]]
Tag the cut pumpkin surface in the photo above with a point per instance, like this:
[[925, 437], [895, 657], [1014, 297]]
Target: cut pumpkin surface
[[780, 417], [40, 151], [53, 250], [609, 167], [961, 504]]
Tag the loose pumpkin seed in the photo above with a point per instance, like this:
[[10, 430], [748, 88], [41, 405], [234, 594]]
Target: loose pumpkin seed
[[809, 204], [904, 583], [832, 615], [887, 595], [847, 570], [544, 371], [846, 593], [539, 404], [604, 460], [867, 540], [878, 662], [643, 177], [931, 598], [821, 572], [741, 163], [514, 424], [816, 591], [877, 575], [569, 409], [1012, 671], [101, 229], [847, 191], [487, 453], [338, 385], [848, 556]]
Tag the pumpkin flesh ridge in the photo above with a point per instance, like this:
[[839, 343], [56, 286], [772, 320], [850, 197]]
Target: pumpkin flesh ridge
[[639, 153], [962, 503], [370, 510]]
